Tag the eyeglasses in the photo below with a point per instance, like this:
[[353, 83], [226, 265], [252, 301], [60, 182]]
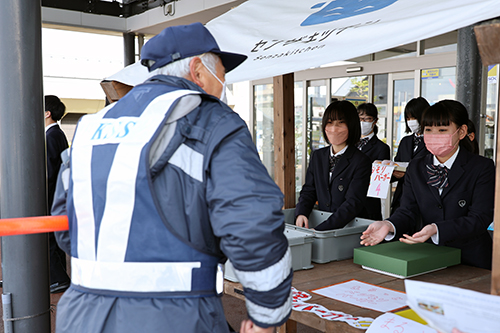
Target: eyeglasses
[[366, 119]]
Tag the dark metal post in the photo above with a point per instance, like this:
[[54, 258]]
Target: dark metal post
[[22, 162], [469, 74], [128, 48]]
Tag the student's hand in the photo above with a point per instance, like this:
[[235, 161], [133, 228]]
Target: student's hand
[[247, 326], [376, 232], [302, 221], [398, 174], [421, 236]]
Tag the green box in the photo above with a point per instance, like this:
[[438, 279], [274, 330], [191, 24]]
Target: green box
[[405, 260]]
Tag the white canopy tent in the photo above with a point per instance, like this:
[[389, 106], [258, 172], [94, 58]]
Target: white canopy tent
[[283, 36]]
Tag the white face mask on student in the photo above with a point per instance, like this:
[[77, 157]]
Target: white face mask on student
[[366, 127], [414, 126], [223, 93]]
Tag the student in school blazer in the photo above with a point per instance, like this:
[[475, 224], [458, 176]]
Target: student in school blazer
[[462, 212], [406, 153], [375, 150], [344, 195]]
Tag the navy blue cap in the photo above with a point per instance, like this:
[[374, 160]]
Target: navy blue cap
[[184, 41]]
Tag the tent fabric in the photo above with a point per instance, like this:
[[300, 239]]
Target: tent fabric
[[284, 36]]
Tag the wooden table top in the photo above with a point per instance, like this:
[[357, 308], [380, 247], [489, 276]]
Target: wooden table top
[[322, 275]]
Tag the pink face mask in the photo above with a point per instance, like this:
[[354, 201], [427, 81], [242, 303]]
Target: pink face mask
[[440, 144], [336, 135]]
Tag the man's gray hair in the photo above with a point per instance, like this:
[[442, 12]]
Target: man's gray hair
[[180, 68]]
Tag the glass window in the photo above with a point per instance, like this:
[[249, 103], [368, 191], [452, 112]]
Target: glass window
[[403, 51], [317, 101], [380, 101], [299, 123], [354, 89], [438, 84], [443, 43], [264, 125], [403, 92], [490, 117]]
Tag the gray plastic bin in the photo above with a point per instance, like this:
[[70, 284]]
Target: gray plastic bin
[[330, 245], [300, 242]]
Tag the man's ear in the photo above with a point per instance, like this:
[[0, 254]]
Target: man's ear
[[195, 70], [48, 114]]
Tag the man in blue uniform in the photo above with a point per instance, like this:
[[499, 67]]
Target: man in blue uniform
[[160, 188]]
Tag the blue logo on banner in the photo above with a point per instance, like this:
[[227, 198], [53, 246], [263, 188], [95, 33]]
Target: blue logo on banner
[[340, 9]]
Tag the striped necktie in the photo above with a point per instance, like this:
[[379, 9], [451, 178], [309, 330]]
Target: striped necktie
[[333, 161], [362, 143], [438, 176]]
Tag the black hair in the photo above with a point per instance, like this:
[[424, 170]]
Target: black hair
[[346, 111], [55, 106], [415, 108], [471, 128], [445, 112], [371, 111]]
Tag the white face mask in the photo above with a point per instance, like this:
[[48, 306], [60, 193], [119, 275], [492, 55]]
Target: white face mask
[[223, 93], [366, 127], [414, 126]]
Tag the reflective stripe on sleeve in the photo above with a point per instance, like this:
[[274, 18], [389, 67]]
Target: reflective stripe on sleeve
[[189, 161], [269, 316], [136, 276], [268, 278]]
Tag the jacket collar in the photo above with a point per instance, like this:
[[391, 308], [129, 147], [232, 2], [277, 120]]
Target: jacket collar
[[454, 175], [175, 82], [344, 161]]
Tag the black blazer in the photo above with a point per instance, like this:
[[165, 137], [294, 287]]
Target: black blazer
[[375, 150], [56, 144], [462, 212], [345, 195], [406, 154]]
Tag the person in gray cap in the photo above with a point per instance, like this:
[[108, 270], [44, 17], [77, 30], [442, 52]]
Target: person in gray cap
[[164, 185]]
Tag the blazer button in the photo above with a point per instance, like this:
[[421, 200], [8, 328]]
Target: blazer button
[[327, 205], [440, 207]]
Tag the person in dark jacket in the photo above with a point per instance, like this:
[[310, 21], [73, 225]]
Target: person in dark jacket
[[452, 190], [339, 174], [56, 143], [374, 148], [411, 146], [165, 184]]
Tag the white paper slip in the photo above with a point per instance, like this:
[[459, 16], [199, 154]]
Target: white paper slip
[[390, 322], [445, 307], [380, 180], [364, 295]]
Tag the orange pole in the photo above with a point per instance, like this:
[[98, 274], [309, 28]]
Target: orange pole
[[33, 225]]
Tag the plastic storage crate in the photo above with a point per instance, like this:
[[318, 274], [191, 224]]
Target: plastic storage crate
[[330, 245], [300, 245]]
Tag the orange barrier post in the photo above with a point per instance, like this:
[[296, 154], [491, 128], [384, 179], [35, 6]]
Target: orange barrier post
[[33, 225]]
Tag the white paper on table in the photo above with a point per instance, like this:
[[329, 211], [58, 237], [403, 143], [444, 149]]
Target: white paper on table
[[380, 180], [445, 307], [390, 322], [364, 295]]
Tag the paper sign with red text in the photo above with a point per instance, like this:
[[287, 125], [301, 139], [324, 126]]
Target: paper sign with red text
[[364, 295], [380, 180]]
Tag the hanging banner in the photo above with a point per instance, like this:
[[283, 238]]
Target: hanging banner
[[284, 36]]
